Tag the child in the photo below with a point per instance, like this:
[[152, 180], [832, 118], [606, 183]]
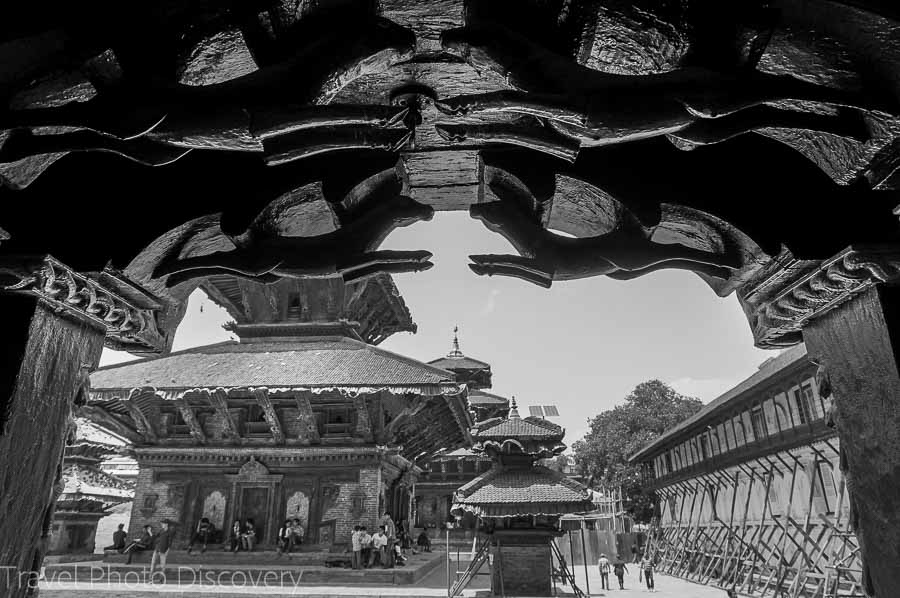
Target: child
[[365, 542], [249, 535], [284, 537]]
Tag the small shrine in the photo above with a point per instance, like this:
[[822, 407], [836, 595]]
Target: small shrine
[[519, 503], [88, 493]]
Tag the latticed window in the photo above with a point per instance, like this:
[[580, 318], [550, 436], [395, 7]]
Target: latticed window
[[758, 422], [803, 406]]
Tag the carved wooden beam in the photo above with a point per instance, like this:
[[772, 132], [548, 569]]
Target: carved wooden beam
[[106, 299], [106, 420], [190, 417], [218, 398], [309, 433], [785, 298], [262, 399], [363, 426], [142, 422]]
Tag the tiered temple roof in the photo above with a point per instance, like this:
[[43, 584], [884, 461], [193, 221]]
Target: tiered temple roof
[[86, 487], [474, 373], [516, 486], [305, 371]]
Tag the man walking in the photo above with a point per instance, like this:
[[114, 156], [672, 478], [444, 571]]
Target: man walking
[[620, 569], [161, 549], [647, 572], [603, 565]]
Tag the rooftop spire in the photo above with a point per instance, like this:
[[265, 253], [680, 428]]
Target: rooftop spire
[[513, 410], [455, 352]]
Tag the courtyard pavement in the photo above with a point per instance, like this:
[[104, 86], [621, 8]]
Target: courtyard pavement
[[432, 587]]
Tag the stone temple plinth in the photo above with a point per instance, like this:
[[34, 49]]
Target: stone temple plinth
[[519, 503]]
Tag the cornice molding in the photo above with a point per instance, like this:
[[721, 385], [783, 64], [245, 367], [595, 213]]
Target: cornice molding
[[107, 299], [784, 299]]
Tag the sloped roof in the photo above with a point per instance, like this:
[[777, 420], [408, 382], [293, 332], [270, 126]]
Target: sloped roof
[[767, 369], [459, 363], [518, 427], [479, 397], [314, 362], [514, 492], [89, 482]]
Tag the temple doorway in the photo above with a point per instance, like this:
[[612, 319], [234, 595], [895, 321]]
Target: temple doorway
[[255, 506]]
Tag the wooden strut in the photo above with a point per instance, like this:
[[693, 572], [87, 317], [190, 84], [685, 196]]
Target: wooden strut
[[787, 551]]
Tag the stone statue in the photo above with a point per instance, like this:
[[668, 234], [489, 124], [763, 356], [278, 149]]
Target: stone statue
[[624, 253], [692, 104], [348, 251]]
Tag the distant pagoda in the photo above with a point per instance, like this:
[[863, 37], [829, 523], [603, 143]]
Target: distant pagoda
[[88, 493], [518, 502]]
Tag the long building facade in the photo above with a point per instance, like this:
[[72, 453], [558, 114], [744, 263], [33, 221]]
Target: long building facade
[[750, 492]]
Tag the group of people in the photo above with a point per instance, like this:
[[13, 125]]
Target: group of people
[[157, 541], [387, 547], [619, 569], [243, 535], [290, 535]]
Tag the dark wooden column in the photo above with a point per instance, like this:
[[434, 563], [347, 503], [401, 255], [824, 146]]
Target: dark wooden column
[[54, 325], [857, 344], [45, 358]]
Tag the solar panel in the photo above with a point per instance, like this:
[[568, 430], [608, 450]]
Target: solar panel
[[535, 410], [551, 411]]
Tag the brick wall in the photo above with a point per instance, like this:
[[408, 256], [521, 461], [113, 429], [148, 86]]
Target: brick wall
[[167, 505], [525, 569], [366, 489]]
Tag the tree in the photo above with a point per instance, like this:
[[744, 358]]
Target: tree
[[602, 455]]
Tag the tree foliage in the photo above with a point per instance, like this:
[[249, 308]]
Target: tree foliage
[[602, 455]]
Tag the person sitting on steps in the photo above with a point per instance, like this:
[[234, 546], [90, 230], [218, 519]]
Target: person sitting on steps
[[202, 534], [118, 539], [144, 542], [248, 537]]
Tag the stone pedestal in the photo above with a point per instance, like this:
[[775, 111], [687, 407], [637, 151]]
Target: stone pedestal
[[74, 532], [521, 563]]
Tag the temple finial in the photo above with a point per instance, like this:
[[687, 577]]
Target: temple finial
[[513, 410], [455, 352]]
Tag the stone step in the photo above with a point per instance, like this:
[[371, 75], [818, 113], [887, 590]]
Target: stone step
[[240, 573], [222, 557]]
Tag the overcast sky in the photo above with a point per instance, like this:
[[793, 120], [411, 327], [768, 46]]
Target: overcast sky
[[581, 345]]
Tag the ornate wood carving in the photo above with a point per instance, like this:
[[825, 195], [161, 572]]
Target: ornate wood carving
[[363, 426], [262, 399], [794, 292], [143, 424], [625, 252], [190, 417], [107, 299], [559, 104], [348, 251], [218, 398], [309, 432]]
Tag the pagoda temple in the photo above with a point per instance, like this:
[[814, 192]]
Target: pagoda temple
[[88, 492], [519, 503], [303, 416], [452, 467]]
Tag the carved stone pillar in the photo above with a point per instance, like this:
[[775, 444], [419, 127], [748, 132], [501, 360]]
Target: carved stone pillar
[[858, 344], [55, 322]]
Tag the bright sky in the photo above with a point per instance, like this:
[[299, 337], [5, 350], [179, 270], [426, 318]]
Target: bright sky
[[581, 345]]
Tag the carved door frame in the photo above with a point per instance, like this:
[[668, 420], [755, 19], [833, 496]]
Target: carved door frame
[[254, 474]]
